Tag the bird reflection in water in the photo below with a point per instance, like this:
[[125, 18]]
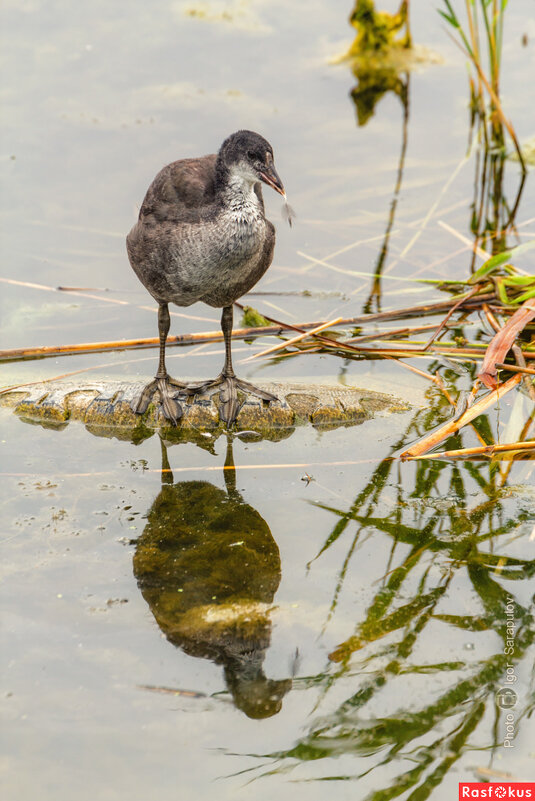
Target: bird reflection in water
[[209, 569]]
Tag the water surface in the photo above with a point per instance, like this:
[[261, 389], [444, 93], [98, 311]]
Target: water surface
[[375, 596]]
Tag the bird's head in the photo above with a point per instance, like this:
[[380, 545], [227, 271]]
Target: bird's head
[[248, 155]]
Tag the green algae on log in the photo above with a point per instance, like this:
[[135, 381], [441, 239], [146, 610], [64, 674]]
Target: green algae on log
[[104, 407]]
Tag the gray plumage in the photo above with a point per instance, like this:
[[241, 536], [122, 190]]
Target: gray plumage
[[202, 235]]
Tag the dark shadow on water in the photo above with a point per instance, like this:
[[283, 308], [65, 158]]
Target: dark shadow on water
[[209, 568]]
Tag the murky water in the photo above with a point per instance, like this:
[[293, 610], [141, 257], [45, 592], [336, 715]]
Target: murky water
[[325, 611]]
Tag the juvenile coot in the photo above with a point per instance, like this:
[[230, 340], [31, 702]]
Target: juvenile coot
[[202, 235]]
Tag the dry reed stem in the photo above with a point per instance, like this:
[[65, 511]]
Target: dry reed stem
[[344, 249], [430, 213], [104, 299], [293, 340], [521, 362], [504, 340], [486, 450], [448, 315], [484, 254], [120, 363], [519, 356], [452, 426], [204, 468], [346, 346], [394, 332], [496, 101], [498, 106], [238, 333], [493, 322], [514, 369]]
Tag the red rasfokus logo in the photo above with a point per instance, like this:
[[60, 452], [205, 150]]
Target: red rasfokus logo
[[504, 790]]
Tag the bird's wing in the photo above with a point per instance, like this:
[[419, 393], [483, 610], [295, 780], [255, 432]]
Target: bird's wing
[[180, 190]]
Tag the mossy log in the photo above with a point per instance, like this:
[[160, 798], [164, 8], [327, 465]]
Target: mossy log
[[104, 408]]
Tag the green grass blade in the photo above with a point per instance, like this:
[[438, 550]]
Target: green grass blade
[[500, 258]]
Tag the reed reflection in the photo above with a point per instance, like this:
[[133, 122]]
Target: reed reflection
[[380, 59], [401, 711]]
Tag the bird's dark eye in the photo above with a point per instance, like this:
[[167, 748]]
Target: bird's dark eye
[[251, 154]]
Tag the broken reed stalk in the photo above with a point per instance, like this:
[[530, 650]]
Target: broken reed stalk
[[394, 332], [238, 333], [521, 362], [448, 315], [394, 353], [435, 379], [517, 352], [153, 688], [81, 292], [485, 450], [293, 340], [492, 321], [514, 369], [94, 367], [504, 340], [472, 351], [485, 255], [452, 426], [336, 346], [97, 347]]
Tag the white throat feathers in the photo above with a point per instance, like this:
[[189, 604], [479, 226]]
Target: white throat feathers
[[241, 201]]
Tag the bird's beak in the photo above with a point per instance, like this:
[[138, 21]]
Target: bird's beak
[[271, 178]]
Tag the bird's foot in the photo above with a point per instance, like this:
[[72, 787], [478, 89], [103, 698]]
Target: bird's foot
[[228, 386], [168, 397]]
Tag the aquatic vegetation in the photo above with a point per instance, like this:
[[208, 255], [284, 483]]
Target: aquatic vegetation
[[362, 600], [528, 153], [407, 719], [251, 318], [378, 56], [377, 30], [481, 40], [512, 287], [381, 58]]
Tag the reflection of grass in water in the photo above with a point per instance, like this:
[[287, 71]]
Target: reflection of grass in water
[[447, 541], [379, 55], [480, 36]]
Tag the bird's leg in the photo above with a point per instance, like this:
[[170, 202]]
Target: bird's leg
[[226, 327], [227, 382], [228, 393], [162, 381], [164, 324]]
